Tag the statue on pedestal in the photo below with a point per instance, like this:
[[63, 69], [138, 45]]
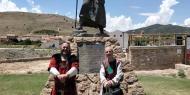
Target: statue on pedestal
[[93, 14]]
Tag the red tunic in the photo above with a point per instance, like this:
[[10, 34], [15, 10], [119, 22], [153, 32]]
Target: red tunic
[[68, 87]]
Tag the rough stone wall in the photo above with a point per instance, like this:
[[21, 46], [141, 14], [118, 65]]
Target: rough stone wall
[[151, 58], [23, 59], [89, 84], [24, 53]]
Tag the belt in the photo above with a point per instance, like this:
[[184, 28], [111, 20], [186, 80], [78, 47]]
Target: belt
[[60, 92]]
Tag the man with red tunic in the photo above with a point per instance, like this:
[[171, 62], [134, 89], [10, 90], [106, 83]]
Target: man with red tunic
[[64, 67]]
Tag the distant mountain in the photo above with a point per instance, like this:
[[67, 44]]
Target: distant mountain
[[22, 23], [163, 29]]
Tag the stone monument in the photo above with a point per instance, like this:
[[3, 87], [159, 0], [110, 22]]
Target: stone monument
[[90, 56]]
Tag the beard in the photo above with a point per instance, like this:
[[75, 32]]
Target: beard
[[65, 52], [110, 58]]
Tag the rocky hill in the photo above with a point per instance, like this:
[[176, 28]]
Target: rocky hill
[[21, 23], [158, 28]]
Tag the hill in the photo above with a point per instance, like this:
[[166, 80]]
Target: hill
[[22, 23], [163, 29]]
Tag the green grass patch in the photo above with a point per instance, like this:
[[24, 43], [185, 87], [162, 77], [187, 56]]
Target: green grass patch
[[46, 32], [22, 84], [155, 85]]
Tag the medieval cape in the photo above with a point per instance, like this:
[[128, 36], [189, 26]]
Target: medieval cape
[[92, 13], [68, 86]]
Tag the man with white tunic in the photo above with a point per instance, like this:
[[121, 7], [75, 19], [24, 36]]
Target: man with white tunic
[[110, 72]]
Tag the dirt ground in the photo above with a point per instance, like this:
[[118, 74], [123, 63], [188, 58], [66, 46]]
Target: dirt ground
[[166, 72], [24, 67], [41, 66]]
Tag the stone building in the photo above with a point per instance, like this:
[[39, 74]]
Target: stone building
[[121, 37]]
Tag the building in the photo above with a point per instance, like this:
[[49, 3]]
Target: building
[[122, 38]]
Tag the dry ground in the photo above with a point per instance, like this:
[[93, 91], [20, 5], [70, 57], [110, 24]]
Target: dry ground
[[166, 72], [41, 66], [24, 67]]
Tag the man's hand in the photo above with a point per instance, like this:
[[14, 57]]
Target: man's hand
[[62, 76], [108, 83]]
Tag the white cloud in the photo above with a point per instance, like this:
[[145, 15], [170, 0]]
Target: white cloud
[[56, 12], [35, 8], [163, 16], [8, 5], [187, 22], [134, 7], [123, 23], [174, 23], [69, 14]]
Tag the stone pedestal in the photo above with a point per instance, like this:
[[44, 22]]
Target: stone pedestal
[[79, 33], [89, 83], [91, 55], [83, 33]]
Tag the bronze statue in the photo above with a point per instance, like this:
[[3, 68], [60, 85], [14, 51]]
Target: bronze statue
[[92, 14]]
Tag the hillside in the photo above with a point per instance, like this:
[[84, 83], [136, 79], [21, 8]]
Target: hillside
[[163, 29], [21, 23]]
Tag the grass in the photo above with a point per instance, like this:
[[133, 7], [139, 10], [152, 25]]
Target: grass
[[22, 84], [155, 85], [32, 85]]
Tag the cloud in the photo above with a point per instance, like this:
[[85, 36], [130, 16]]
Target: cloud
[[134, 7], [35, 8], [174, 23], [8, 5], [56, 12], [148, 14], [69, 14], [187, 22], [163, 16], [123, 23]]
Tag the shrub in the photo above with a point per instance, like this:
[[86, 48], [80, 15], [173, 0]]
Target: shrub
[[181, 73], [46, 32], [29, 42]]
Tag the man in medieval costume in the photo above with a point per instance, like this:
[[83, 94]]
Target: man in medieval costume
[[92, 14], [64, 67], [110, 74]]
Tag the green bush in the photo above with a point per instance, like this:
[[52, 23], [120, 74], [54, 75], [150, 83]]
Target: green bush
[[46, 32], [29, 42], [22, 42], [181, 73], [10, 42]]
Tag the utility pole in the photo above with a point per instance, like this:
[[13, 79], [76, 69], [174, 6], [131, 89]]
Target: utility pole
[[76, 14]]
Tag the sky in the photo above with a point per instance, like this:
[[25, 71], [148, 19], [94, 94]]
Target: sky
[[121, 15]]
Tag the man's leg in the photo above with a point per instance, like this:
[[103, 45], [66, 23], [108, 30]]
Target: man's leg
[[101, 29], [80, 27]]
